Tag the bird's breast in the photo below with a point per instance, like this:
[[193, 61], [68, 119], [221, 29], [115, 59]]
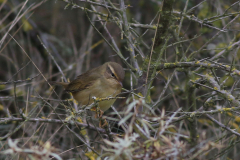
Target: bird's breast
[[98, 90]]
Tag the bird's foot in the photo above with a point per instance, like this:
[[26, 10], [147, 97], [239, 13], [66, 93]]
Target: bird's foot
[[99, 113], [103, 123]]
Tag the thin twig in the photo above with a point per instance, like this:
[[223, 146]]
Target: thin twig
[[222, 125], [19, 81]]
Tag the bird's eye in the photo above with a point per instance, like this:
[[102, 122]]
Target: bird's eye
[[113, 75]]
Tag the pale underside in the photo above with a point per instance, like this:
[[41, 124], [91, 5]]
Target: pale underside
[[97, 90]]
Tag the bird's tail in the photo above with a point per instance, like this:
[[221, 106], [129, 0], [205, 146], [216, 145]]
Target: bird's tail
[[64, 84]]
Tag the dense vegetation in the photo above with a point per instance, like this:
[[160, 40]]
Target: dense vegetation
[[180, 93]]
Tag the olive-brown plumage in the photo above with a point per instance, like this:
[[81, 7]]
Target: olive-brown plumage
[[101, 82]]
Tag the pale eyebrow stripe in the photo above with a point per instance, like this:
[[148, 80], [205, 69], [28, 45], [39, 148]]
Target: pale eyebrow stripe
[[112, 70]]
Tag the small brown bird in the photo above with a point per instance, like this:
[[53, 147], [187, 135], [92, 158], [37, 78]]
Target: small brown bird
[[101, 82]]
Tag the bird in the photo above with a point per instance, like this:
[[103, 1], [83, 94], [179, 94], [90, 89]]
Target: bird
[[101, 82]]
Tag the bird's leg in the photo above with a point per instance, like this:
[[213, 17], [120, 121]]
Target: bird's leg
[[102, 121], [100, 112]]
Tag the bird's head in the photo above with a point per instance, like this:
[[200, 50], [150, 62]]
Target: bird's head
[[114, 74]]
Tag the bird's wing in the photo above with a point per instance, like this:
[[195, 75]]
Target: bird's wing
[[83, 81]]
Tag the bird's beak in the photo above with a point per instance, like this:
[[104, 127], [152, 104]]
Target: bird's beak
[[120, 83]]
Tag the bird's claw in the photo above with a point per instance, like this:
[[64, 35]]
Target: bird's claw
[[103, 122]]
